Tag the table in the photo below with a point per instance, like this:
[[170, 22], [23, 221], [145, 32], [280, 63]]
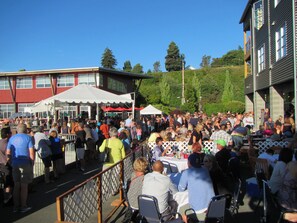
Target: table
[[181, 164]]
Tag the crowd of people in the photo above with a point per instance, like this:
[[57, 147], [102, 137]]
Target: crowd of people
[[111, 139]]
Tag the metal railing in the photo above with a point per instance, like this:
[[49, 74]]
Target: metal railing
[[87, 198], [69, 154]]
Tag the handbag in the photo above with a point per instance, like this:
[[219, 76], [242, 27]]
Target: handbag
[[106, 152]]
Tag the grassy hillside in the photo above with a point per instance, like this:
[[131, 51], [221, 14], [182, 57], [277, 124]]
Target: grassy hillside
[[212, 82]]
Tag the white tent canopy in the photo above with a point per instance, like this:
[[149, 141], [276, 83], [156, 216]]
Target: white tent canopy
[[87, 94], [150, 110]]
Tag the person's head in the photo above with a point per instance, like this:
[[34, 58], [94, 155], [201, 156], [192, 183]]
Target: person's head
[[270, 151], [158, 166], [53, 133], [81, 125], [285, 155], [221, 144], [223, 126], [5, 133], [22, 128], [122, 135], [140, 165], [196, 147], [194, 160], [113, 132], [159, 141], [210, 162]]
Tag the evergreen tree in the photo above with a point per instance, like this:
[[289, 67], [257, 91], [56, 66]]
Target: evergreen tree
[[127, 66], [197, 90], [164, 91], [228, 94], [173, 58], [205, 61], [108, 60], [149, 71], [138, 69], [157, 66]]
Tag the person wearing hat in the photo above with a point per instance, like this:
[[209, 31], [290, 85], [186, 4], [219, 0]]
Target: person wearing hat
[[197, 181], [223, 155], [221, 134]]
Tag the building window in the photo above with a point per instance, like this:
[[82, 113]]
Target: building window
[[259, 14], [276, 2], [261, 58], [100, 80], [21, 107], [43, 82], [66, 80], [116, 85], [281, 42], [6, 110], [24, 82], [70, 111], [88, 79], [4, 84]]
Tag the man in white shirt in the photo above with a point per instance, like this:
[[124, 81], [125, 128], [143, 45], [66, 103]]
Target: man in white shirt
[[160, 186]]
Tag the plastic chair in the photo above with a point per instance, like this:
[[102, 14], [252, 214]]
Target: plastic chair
[[173, 168], [216, 209], [149, 211], [234, 206], [167, 168], [264, 165]]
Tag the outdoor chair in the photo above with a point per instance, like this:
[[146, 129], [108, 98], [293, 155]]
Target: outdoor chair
[[167, 168], [149, 211], [216, 209], [234, 206], [173, 168], [262, 164]]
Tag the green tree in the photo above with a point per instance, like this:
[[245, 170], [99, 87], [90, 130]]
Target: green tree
[[149, 71], [228, 94], [127, 66], [108, 60], [138, 69], [165, 91], [205, 61], [157, 66], [231, 58], [197, 90], [173, 58]]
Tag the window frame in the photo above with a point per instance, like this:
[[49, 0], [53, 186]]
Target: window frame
[[259, 14], [6, 110], [281, 42], [116, 85], [261, 58], [90, 79], [24, 84], [4, 83], [68, 80], [44, 84]]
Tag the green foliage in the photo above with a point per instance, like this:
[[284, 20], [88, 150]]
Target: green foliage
[[127, 66], [232, 58], [108, 60], [208, 83], [138, 69], [228, 94], [165, 91], [157, 66], [205, 61], [232, 106], [173, 59]]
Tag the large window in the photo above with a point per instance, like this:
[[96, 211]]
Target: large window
[[261, 58], [70, 111], [4, 84], [6, 110], [66, 80], [88, 79], [116, 85], [24, 82], [21, 107], [281, 42], [259, 14], [100, 80], [43, 82]]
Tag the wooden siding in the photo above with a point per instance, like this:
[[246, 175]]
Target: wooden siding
[[283, 69], [248, 83], [262, 80]]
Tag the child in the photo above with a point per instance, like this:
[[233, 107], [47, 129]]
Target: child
[[138, 132]]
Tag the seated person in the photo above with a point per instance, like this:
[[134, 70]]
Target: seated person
[[158, 149], [135, 186], [160, 186], [196, 148], [223, 155], [268, 154], [197, 181], [278, 173], [287, 194]]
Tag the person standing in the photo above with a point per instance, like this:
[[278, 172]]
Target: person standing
[[80, 145], [21, 154]]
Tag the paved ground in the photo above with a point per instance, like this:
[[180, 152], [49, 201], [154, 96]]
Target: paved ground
[[43, 198]]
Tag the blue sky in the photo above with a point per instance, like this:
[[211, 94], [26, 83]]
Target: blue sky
[[53, 34]]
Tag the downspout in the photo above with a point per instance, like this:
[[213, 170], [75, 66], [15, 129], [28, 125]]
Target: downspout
[[294, 57], [256, 117]]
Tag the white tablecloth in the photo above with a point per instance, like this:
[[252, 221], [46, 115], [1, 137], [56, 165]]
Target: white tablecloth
[[181, 164]]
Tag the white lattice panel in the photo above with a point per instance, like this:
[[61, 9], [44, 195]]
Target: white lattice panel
[[181, 145], [210, 145], [263, 146]]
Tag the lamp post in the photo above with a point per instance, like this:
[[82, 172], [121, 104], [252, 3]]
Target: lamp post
[[183, 79]]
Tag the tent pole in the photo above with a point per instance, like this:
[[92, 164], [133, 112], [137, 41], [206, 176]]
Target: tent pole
[[97, 112], [133, 106]]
